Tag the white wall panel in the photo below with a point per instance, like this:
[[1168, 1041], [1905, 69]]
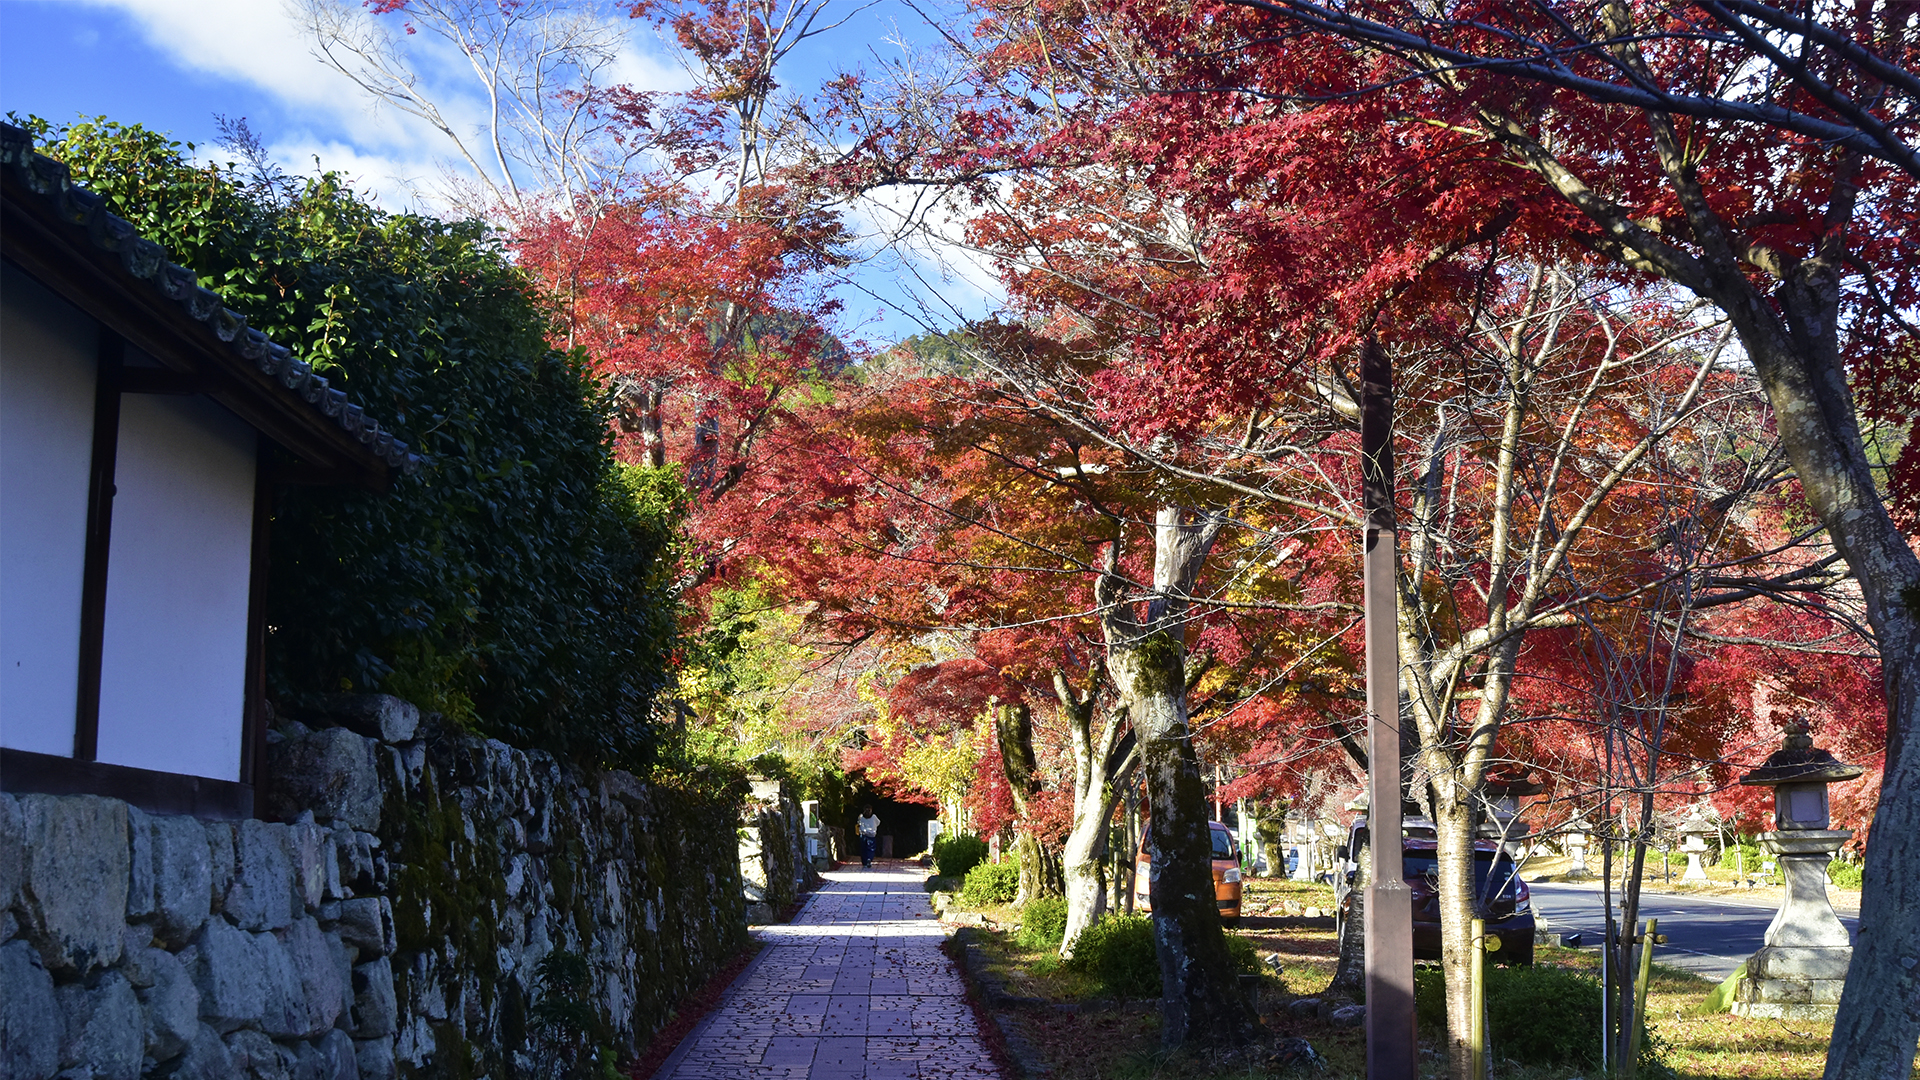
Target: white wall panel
[[173, 667], [48, 366]]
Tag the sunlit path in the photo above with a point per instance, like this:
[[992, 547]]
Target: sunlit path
[[856, 986]]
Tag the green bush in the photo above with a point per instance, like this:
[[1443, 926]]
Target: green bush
[[992, 883], [1043, 923], [521, 581], [1747, 855], [1844, 874], [1535, 1015], [1117, 953], [1544, 1015], [1246, 959], [954, 855]]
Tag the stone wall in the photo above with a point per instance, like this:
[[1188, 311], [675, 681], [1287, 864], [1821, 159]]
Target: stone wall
[[392, 923], [774, 868]]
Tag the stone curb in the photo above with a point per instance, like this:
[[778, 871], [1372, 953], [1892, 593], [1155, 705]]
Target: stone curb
[[1026, 1060]]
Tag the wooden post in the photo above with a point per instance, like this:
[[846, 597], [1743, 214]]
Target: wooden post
[[111, 359], [1477, 1045], [1387, 921], [1631, 1066]]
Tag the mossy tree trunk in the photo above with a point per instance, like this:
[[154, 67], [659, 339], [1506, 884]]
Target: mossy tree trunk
[[1040, 872], [1201, 1003], [1102, 767]]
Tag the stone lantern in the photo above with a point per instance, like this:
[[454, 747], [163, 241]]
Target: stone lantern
[[1576, 844], [1799, 972], [1694, 843]]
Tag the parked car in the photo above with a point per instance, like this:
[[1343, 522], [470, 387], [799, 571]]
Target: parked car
[[1226, 875], [1505, 901]]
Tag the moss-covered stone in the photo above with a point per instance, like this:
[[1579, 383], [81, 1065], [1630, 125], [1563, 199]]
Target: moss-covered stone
[[500, 856]]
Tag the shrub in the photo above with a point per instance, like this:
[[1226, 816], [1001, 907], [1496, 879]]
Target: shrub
[[1749, 856], [1544, 1015], [1246, 959], [563, 1020], [1117, 953], [954, 855], [1043, 923], [1844, 874], [992, 883], [1535, 1015]]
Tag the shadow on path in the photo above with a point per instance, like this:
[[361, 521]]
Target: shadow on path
[[854, 988]]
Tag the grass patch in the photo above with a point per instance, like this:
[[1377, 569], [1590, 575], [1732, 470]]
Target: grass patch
[[1124, 1044], [1277, 896]]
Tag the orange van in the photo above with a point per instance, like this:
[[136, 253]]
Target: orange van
[[1226, 875]]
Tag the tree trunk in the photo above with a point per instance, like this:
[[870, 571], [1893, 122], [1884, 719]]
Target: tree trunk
[[1350, 971], [1454, 822], [1040, 868], [1201, 1001], [1039, 864], [1200, 998], [1626, 967], [1102, 767], [1878, 1023], [1083, 868]]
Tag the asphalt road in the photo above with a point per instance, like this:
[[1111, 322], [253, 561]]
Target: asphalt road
[[1707, 935]]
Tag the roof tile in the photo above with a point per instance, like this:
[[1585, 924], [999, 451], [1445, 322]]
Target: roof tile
[[147, 261]]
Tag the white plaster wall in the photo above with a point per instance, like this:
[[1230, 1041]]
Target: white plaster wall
[[48, 366], [173, 666]]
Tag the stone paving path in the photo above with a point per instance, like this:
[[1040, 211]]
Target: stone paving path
[[855, 988]]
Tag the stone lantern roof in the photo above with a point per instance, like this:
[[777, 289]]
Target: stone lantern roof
[[1697, 825], [1800, 762], [1513, 785]]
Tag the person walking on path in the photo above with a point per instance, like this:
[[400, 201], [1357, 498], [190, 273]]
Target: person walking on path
[[869, 837]]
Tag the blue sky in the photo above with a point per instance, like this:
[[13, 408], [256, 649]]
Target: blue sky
[[173, 65]]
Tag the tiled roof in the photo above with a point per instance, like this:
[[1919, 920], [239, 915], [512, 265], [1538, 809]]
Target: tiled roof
[[147, 261]]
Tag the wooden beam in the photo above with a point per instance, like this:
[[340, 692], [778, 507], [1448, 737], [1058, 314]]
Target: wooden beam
[[143, 380], [302, 474], [253, 741], [23, 772], [111, 354]]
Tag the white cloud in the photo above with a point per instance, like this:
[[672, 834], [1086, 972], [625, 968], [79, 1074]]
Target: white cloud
[[250, 41], [929, 231], [397, 182], [263, 44]]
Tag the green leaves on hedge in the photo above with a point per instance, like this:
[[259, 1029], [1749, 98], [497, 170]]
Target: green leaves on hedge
[[520, 582]]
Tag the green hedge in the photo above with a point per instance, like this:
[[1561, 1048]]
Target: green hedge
[[992, 883], [1043, 922], [519, 582], [954, 855], [1538, 1015], [1117, 954]]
